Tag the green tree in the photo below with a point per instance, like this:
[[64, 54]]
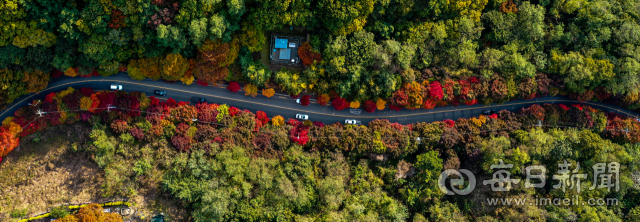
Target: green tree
[[273, 14], [580, 72], [11, 86], [290, 81], [344, 17], [254, 71], [423, 188]]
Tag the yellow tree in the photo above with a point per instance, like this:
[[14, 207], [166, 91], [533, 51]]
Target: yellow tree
[[380, 104], [174, 66], [70, 72], [85, 102], [250, 89], [150, 67], [354, 105], [277, 120], [36, 80]]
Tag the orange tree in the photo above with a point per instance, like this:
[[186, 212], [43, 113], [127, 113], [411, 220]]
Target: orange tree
[[268, 92]]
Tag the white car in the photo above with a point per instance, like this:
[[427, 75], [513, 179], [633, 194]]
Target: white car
[[352, 122], [116, 87], [298, 101], [302, 116]]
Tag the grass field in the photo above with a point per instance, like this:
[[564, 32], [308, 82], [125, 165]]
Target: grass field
[[50, 168]]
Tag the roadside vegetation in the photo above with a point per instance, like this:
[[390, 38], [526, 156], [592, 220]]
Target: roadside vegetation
[[226, 164]]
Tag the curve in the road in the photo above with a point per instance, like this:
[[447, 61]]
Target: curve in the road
[[285, 107]]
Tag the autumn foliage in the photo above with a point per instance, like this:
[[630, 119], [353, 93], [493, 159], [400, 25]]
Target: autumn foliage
[[340, 103], [92, 213], [307, 55], [233, 87], [369, 106], [182, 132], [305, 100], [323, 99], [268, 92]]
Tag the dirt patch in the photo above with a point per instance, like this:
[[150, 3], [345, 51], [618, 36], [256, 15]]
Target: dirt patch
[[50, 169]]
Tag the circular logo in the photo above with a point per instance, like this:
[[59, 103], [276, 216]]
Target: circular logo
[[456, 182]]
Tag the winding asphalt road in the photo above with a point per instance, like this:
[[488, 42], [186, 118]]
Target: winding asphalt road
[[283, 105]]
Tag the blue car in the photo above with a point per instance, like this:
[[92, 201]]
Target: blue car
[[160, 93]]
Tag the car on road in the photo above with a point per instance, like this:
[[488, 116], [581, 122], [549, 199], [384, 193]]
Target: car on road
[[116, 87], [298, 101], [488, 112], [302, 116], [198, 100], [160, 93], [352, 122]]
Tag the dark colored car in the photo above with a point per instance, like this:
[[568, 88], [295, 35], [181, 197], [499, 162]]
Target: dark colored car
[[198, 100], [160, 93], [488, 112]]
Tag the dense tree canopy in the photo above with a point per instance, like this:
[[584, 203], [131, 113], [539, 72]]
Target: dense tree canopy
[[361, 49]]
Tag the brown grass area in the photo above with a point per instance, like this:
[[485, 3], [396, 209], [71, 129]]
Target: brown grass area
[[50, 168]]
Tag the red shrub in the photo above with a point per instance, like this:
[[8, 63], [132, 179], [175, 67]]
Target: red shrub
[[369, 106], [171, 102], [233, 87], [233, 111], [450, 123], [293, 122], [318, 124], [577, 106], [262, 117], [202, 83], [393, 107], [49, 97], [339, 103], [56, 73], [87, 91], [305, 100], [299, 135], [470, 102], [106, 99], [493, 116], [435, 90], [563, 107], [154, 101], [428, 104]]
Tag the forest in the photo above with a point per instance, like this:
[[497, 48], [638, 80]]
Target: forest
[[227, 164], [403, 53]]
